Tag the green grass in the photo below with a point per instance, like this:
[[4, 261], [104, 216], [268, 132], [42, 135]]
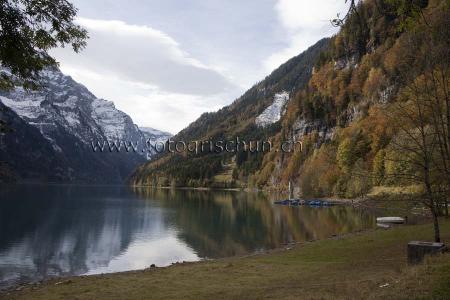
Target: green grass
[[351, 267], [380, 191]]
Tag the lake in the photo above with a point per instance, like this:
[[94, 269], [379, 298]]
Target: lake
[[60, 230]]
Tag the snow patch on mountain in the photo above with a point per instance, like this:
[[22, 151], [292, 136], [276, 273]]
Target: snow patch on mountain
[[24, 107], [275, 111]]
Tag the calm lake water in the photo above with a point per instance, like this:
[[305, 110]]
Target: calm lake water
[[74, 230]]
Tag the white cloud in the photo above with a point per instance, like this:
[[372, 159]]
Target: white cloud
[[146, 73], [305, 23], [147, 104], [158, 38], [143, 54]]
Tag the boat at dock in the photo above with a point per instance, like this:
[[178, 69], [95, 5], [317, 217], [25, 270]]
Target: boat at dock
[[291, 201]]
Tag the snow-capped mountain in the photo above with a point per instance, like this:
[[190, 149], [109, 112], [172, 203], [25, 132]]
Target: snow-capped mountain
[[275, 111], [114, 123], [71, 119], [63, 101], [154, 139], [155, 135]]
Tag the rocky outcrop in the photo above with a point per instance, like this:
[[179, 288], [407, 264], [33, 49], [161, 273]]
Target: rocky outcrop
[[302, 127]]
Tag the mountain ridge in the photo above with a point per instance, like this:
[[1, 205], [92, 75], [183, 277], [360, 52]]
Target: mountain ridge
[[71, 119]]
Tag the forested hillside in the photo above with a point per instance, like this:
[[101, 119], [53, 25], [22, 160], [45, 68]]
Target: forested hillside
[[235, 120], [372, 88], [370, 105]]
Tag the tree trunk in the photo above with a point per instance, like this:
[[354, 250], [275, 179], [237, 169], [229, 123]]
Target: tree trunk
[[433, 205], [446, 207], [434, 213], [437, 234], [447, 108]]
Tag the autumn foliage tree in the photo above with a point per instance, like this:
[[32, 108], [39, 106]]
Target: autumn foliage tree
[[421, 115]]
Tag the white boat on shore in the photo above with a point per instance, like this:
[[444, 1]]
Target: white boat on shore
[[393, 220]]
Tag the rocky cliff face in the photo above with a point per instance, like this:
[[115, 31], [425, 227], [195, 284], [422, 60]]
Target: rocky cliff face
[[65, 119]]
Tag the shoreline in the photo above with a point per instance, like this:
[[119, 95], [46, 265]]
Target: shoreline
[[355, 201], [189, 188], [285, 247], [266, 252], [325, 262], [333, 199]]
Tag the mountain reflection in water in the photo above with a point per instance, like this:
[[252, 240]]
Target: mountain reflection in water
[[73, 230]]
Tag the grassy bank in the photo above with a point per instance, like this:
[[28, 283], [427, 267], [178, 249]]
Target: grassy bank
[[360, 266]]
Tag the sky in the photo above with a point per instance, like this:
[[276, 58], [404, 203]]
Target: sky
[[165, 62]]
